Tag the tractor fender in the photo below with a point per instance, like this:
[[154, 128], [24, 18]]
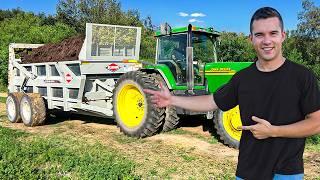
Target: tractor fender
[[160, 72]]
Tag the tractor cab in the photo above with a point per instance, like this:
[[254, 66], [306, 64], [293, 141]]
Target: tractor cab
[[185, 51]]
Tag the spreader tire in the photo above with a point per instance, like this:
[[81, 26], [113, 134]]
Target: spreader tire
[[13, 106], [32, 109]]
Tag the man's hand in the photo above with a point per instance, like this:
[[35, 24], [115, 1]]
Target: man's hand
[[262, 130], [162, 98]]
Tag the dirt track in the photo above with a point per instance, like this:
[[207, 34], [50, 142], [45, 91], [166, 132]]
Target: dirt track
[[175, 155]]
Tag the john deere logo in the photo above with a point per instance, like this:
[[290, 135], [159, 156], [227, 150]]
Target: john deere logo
[[113, 67]]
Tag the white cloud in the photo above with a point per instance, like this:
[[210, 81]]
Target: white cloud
[[194, 20], [183, 14], [197, 15]]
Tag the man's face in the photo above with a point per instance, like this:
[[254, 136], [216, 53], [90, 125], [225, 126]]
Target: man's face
[[267, 38]]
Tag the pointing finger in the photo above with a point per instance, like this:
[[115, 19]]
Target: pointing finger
[[247, 128]]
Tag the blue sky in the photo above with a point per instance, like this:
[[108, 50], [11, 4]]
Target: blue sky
[[223, 15]]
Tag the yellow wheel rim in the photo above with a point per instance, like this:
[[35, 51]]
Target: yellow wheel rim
[[130, 105], [231, 121]]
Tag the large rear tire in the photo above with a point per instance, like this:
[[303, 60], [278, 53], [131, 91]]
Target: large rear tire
[[13, 107], [226, 125], [32, 109], [171, 120], [135, 114]]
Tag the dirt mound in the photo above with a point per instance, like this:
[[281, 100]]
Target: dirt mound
[[67, 50]]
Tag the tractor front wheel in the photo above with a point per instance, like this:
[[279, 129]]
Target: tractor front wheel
[[135, 114], [226, 124]]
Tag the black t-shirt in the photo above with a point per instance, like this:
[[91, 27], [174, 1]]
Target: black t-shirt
[[283, 96]]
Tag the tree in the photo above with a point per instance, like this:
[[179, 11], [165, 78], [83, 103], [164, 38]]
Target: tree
[[235, 47], [10, 13], [28, 28], [78, 12], [148, 41], [307, 36], [309, 25]]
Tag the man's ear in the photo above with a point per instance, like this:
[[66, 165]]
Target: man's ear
[[284, 36], [250, 37]]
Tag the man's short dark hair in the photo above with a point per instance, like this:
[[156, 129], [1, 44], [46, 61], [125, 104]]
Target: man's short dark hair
[[264, 13]]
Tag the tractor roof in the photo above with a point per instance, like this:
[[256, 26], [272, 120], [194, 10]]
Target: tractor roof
[[194, 29]]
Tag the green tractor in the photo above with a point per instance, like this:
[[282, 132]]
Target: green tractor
[[186, 63]]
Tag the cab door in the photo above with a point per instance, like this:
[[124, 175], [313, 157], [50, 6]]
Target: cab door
[[204, 51]]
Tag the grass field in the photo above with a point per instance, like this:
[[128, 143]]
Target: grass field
[[27, 156], [82, 147]]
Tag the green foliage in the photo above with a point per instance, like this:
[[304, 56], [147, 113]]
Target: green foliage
[[302, 45], [3, 87], [77, 13], [148, 45], [9, 13], [290, 50], [24, 156], [235, 47], [28, 28], [313, 140], [3, 99], [309, 20]]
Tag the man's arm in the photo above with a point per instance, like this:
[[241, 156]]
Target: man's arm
[[163, 98], [304, 128], [195, 103]]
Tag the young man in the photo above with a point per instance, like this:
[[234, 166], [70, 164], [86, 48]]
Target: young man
[[279, 105]]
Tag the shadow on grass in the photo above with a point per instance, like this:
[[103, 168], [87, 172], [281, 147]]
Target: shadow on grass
[[207, 125], [55, 117]]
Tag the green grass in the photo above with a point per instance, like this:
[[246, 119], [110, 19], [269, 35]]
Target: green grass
[[26, 156], [211, 140], [313, 142], [123, 139], [178, 131], [3, 99], [3, 87]]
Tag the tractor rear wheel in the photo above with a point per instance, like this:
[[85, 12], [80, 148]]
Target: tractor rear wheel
[[13, 106], [32, 109], [226, 124], [135, 114], [171, 120]]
